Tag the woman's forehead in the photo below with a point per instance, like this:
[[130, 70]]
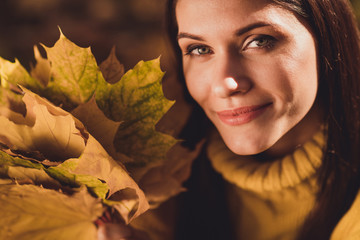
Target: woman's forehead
[[224, 4], [208, 15], [220, 8]]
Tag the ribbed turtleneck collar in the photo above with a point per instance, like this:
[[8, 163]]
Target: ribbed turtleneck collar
[[250, 174]]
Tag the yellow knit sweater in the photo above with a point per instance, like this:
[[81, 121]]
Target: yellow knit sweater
[[267, 200], [270, 200]]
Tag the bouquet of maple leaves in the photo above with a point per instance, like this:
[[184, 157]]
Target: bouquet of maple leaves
[[78, 142]]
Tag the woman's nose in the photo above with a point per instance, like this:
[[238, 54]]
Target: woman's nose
[[231, 79], [231, 86]]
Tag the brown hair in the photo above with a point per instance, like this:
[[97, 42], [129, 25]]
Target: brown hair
[[335, 28]]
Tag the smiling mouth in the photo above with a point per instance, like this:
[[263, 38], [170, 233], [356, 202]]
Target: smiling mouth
[[242, 115]]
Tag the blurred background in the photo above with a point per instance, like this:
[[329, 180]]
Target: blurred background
[[135, 27]]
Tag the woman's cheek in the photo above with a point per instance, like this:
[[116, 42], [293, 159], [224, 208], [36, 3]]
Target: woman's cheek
[[198, 85]]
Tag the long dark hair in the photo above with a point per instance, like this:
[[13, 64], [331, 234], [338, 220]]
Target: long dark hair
[[336, 31]]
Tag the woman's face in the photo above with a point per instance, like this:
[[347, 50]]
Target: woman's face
[[252, 66]]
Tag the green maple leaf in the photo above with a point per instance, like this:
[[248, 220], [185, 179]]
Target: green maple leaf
[[140, 104], [74, 74]]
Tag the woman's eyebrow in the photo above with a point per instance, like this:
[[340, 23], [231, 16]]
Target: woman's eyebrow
[[189, 35], [238, 32], [250, 27]]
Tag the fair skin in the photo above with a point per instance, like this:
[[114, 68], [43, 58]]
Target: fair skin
[[252, 67]]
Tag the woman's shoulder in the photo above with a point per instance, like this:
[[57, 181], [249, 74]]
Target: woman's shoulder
[[349, 226]]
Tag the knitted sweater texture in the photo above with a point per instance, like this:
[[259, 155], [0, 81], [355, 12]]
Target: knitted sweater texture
[[271, 200], [265, 200]]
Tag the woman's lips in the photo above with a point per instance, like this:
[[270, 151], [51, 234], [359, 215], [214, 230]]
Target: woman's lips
[[242, 115]]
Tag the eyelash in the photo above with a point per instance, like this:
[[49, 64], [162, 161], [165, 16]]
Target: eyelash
[[191, 48], [270, 44]]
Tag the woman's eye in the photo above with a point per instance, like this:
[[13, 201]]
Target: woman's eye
[[198, 50], [261, 42]]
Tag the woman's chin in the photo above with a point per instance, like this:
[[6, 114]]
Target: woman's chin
[[247, 149]]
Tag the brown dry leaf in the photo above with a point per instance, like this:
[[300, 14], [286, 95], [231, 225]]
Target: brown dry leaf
[[130, 199], [42, 69], [30, 212], [88, 162], [6, 181], [165, 181], [13, 73], [48, 129], [35, 176], [111, 68], [101, 127], [11, 99], [12, 116]]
